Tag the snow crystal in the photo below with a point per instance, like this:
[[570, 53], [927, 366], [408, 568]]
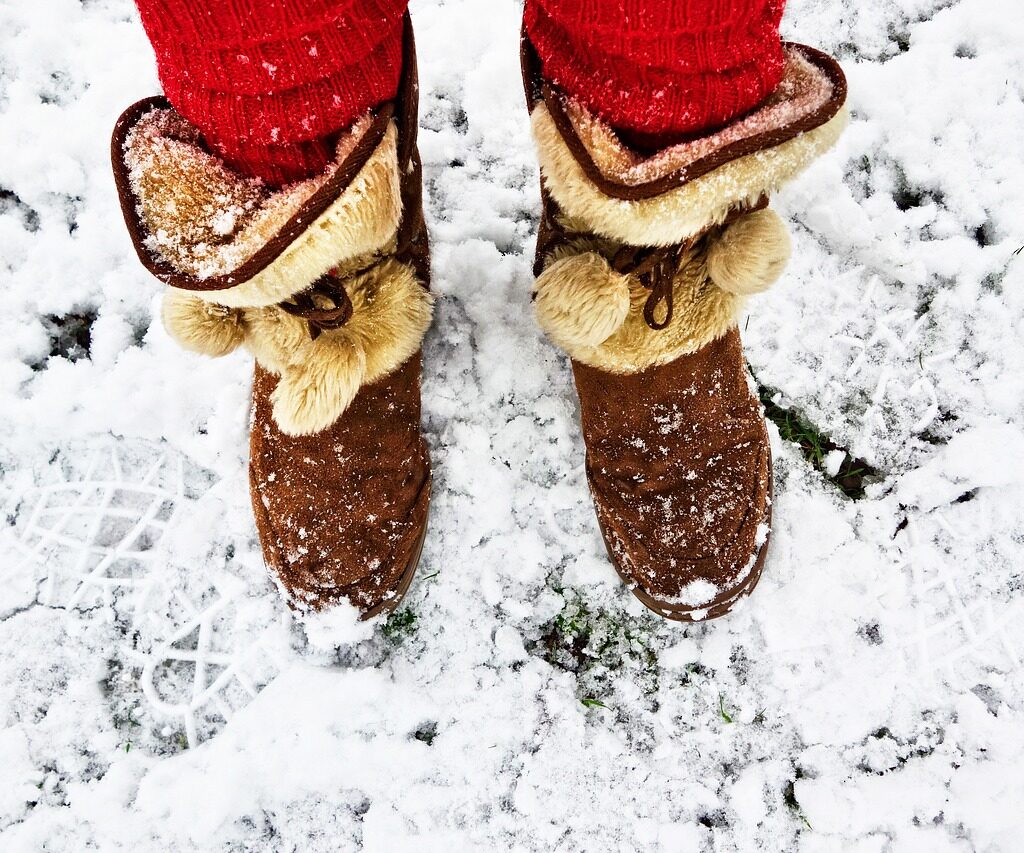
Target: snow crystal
[[155, 693], [834, 460], [339, 626]]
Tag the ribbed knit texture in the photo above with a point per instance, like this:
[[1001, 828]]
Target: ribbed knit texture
[[270, 83], [660, 70]]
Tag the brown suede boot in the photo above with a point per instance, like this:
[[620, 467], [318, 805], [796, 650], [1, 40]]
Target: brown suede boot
[[643, 264], [326, 283]]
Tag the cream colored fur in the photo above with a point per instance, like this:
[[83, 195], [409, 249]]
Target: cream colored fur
[[682, 212], [751, 254], [581, 301], [318, 378], [360, 222], [363, 220], [596, 314], [577, 297], [202, 327]]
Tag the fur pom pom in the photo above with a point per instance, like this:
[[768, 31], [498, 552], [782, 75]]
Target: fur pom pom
[[318, 377], [392, 312], [202, 326], [751, 254], [581, 301], [310, 397]]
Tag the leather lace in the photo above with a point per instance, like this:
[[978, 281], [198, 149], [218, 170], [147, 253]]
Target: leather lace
[[655, 269], [309, 305], [325, 305]]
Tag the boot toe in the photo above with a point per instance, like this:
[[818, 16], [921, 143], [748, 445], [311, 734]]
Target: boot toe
[[682, 567], [342, 514], [686, 516], [370, 569]]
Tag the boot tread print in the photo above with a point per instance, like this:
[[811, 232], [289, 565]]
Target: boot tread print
[[644, 262], [326, 283]]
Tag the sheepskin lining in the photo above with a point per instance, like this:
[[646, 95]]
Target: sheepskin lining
[[206, 222], [596, 314], [805, 88], [689, 209]]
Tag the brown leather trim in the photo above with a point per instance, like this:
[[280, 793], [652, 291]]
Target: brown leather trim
[[317, 203], [407, 101], [413, 241], [538, 91]]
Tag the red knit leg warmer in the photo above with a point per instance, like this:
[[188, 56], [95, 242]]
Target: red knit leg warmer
[[660, 70], [271, 82]]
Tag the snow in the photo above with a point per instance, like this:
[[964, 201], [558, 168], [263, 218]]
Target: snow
[[156, 695]]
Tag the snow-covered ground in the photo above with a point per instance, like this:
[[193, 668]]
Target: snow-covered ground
[[155, 694]]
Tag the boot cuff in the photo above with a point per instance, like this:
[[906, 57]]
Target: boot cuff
[[199, 226], [681, 191]]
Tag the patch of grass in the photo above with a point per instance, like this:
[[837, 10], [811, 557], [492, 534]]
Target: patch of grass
[[399, 625], [853, 473], [792, 428], [725, 715], [579, 637], [599, 647]]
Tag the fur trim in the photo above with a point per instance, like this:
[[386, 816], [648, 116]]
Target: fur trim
[[751, 254], [581, 301], [579, 297], [202, 327], [805, 87], [318, 378], [206, 221], [574, 312], [685, 211], [310, 397]]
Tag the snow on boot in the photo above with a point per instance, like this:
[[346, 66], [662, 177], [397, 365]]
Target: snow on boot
[[643, 264], [326, 282]]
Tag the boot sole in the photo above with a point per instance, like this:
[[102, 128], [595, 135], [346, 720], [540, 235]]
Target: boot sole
[[718, 609], [390, 604]]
